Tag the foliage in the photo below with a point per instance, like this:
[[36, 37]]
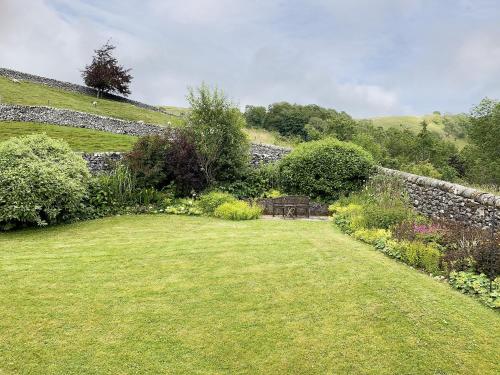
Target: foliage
[[210, 201], [338, 125], [478, 286], [148, 163], [416, 254], [105, 74], [372, 236], [422, 169], [216, 127], [238, 210], [253, 183], [41, 181], [482, 157], [325, 169], [255, 116], [160, 160]]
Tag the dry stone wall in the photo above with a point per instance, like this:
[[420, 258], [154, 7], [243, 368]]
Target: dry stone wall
[[66, 117], [442, 199]]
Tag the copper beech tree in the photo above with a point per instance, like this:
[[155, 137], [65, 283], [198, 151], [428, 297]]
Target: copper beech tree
[[105, 74]]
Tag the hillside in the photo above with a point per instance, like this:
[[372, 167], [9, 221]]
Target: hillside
[[414, 123], [27, 93]]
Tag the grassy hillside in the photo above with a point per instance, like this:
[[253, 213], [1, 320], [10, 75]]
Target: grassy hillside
[[413, 123], [27, 93], [84, 140], [264, 136], [194, 295]]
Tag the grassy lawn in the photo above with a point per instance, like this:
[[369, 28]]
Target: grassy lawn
[[84, 140], [183, 295], [27, 93]]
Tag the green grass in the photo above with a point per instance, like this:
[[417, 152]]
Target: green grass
[[267, 137], [27, 93], [84, 140], [184, 295]]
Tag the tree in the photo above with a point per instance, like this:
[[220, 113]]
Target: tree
[[482, 156], [104, 74], [216, 126], [255, 116]]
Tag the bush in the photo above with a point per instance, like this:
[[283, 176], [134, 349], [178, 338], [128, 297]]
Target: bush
[[238, 210], [416, 254], [380, 216], [210, 201], [158, 161], [41, 182], [488, 291], [254, 183], [147, 161], [325, 169], [372, 236]]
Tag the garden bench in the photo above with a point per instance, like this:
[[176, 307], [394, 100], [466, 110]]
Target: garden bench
[[289, 206]]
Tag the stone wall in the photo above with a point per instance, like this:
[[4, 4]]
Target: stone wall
[[13, 74], [66, 117], [446, 200]]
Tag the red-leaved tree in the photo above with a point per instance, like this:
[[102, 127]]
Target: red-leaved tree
[[105, 74]]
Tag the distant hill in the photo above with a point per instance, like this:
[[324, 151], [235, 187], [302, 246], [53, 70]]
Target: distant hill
[[414, 123]]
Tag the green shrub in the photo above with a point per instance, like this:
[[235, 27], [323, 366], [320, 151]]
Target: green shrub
[[372, 236], [238, 210], [488, 291], [254, 182], [210, 201], [416, 254], [41, 181], [382, 216], [325, 169]]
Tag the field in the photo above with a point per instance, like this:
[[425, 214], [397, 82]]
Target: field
[[84, 140], [27, 93], [183, 295]]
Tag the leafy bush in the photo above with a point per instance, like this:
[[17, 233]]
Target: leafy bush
[[254, 182], [210, 201], [372, 236], [238, 210], [325, 169], [41, 181], [488, 291], [147, 161], [158, 161], [416, 254]]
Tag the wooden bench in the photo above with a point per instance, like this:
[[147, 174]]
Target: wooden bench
[[290, 206]]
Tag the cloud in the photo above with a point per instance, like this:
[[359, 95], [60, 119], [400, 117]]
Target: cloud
[[365, 57]]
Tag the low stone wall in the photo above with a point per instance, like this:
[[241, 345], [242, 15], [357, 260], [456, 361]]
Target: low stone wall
[[441, 199], [14, 74], [102, 161], [263, 153], [66, 117]]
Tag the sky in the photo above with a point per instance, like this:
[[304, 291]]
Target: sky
[[365, 57]]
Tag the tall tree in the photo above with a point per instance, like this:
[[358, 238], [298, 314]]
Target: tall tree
[[105, 74]]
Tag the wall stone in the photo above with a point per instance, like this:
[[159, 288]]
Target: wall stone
[[13, 74], [442, 199], [66, 117]]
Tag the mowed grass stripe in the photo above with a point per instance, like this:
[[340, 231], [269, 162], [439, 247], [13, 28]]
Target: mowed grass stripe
[[166, 294]]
